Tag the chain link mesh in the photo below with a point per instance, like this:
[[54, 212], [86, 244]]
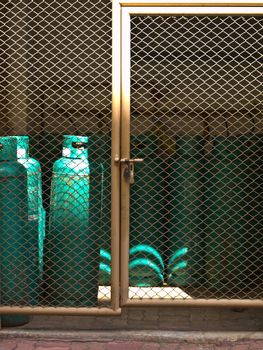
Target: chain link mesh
[[55, 79], [196, 119]]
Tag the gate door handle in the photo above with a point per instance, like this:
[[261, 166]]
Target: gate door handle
[[128, 171]]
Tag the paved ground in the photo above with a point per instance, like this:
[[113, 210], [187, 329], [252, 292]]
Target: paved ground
[[30, 344]]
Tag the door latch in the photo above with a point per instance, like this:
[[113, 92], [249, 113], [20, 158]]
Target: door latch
[[128, 167]]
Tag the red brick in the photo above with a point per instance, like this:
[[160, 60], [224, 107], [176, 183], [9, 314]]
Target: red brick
[[51, 348], [240, 347], [96, 346], [170, 346], [25, 344], [222, 347], [7, 344], [131, 345], [151, 346], [196, 347], [88, 346], [257, 345], [52, 345], [80, 346]]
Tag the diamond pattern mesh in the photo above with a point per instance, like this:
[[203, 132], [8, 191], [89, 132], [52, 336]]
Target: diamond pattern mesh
[[196, 119], [55, 79]]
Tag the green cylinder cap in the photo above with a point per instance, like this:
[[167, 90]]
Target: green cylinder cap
[[8, 148], [75, 146], [22, 147]]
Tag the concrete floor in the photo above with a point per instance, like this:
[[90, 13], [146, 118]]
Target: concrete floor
[[128, 340]]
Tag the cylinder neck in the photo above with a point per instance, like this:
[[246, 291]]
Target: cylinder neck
[[8, 148], [75, 147]]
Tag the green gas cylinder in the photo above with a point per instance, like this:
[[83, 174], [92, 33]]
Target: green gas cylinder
[[146, 265], [100, 155], [16, 280], [72, 243], [252, 154], [185, 225], [226, 196], [36, 212], [105, 249]]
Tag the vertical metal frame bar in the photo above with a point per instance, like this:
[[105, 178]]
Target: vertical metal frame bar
[[115, 171], [155, 7], [125, 151]]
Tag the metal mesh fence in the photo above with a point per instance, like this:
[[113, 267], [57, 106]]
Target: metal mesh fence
[[55, 80], [196, 119]]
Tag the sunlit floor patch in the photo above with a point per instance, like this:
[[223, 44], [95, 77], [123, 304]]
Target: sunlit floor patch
[[146, 293]]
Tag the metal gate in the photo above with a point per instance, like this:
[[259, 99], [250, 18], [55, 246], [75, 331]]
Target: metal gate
[[191, 153], [147, 164]]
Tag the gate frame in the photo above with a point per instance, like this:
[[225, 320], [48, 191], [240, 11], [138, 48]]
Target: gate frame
[[121, 87]]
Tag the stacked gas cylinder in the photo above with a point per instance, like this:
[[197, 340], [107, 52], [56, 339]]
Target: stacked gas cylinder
[[22, 221], [194, 213], [195, 206], [213, 223], [58, 261]]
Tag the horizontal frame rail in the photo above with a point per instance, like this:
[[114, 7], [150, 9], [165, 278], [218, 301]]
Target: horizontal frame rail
[[190, 3], [225, 303], [194, 11], [81, 311]]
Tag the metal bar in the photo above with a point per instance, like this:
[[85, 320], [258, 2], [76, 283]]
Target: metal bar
[[190, 3], [125, 152], [239, 303], [115, 182], [59, 311], [196, 11]]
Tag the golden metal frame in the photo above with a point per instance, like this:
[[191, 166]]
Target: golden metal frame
[[191, 3], [170, 7], [122, 9]]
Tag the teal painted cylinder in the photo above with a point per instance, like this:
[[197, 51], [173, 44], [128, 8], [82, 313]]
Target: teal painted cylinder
[[99, 153], [16, 280], [226, 195], [97, 214], [72, 243], [252, 154], [36, 212], [185, 239], [105, 249], [100, 156], [146, 267]]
